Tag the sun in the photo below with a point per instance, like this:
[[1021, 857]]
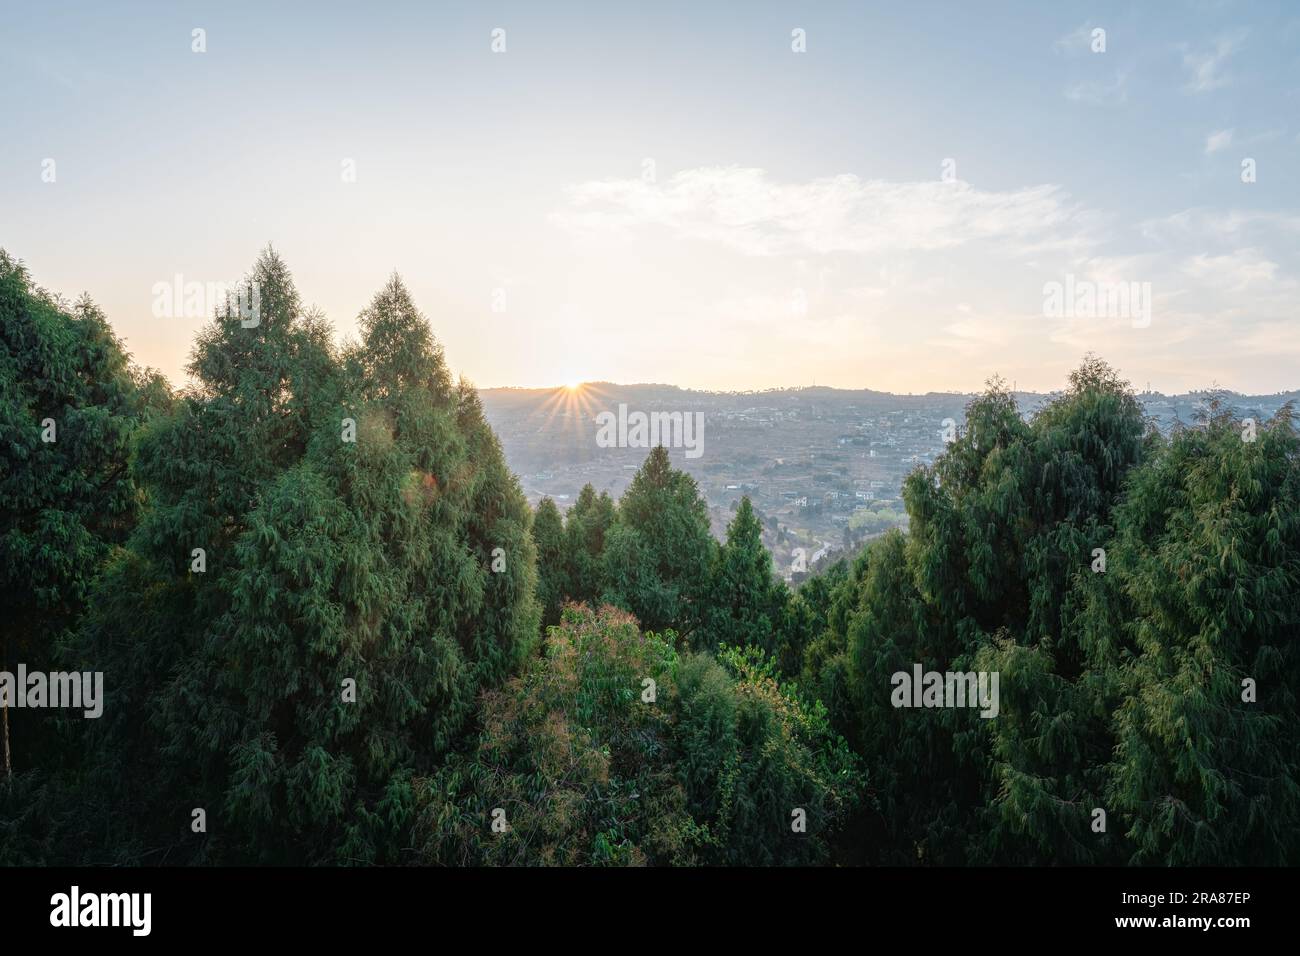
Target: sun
[[575, 400]]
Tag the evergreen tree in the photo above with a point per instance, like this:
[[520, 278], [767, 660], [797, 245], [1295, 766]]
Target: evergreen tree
[[69, 405], [745, 604], [1052, 738], [659, 553], [346, 611], [989, 579], [552, 571], [585, 529], [315, 590], [1204, 574], [503, 629]]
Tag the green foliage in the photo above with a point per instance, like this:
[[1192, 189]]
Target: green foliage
[[70, 403], [348, 669], [1205, 571], [745, 604], [586, 527], [659, 553], [578, 762], [64, 502], [869, 520], [1120, 689], [587, 770], [328, 561], [552, 571], [756, 752], [653, 555]]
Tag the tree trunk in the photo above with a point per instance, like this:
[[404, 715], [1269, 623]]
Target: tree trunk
[[9, 770]]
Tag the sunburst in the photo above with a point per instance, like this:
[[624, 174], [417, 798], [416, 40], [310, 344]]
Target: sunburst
[[577, 401]]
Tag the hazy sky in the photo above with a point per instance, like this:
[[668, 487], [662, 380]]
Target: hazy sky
[[668, 192]]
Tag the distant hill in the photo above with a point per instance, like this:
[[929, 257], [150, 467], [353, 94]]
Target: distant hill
[[822, 465]]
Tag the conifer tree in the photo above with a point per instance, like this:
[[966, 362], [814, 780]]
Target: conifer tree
[[552, 577], [586, 526], [328, 642], [1051, 740], [659, 553], [1001, 532], [745, 604], [503, 630], [69, 403], [1205, 570]]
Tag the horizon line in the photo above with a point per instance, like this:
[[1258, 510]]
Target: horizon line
[[1209, 389]]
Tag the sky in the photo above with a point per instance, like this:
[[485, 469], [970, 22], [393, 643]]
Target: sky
[[906, 197]]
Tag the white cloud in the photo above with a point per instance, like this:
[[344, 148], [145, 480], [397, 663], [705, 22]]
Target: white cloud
[[1232, 272], [1075, 42], [745, 210], [984, 330], [1272, 338], [1207, 69], [1215, 225], [1117, 269], [1100, 94], [1216, 141]]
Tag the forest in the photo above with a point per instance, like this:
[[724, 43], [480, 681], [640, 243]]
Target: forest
[[332, 631]]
